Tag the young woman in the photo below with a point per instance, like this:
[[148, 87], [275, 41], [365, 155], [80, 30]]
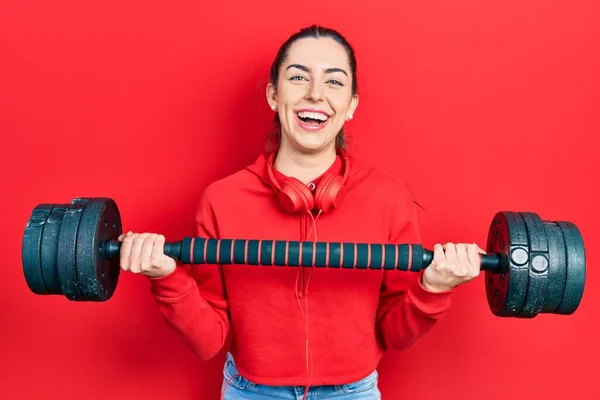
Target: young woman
[[304, 332]]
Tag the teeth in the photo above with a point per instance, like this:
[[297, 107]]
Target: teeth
[[313, 115]]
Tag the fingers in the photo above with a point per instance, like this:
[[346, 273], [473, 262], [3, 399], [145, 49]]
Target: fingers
[[135, 251], [135, 255], [461, 251], [450, 250], [461, 266], [158, 250], [459, 259], [452, 265], [125, 250], [456, 256], [438, 252], [123, 236], [439, 258], [479, 249], [441, 262], [146, 253], [473, 252]]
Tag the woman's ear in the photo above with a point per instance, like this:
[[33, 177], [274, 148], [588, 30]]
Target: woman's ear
[[353, 107], [271, 93]]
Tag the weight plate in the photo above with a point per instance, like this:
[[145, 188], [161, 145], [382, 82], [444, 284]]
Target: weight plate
[[49, 249], [576, 271], [100, 222], [538, 265], [557, 267], [66, 256], [31, 246], [506, 290]]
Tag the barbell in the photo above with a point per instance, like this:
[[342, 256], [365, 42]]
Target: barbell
[[531, 266]]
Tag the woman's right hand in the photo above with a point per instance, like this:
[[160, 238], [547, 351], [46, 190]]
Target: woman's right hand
[[143, 253]]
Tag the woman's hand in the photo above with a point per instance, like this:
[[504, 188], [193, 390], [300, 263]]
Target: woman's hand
[[452, 265], [144, 254]]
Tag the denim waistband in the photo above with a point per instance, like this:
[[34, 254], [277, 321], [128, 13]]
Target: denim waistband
[[233, 378]]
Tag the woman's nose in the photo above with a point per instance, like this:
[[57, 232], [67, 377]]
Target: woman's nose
[[314, 91]]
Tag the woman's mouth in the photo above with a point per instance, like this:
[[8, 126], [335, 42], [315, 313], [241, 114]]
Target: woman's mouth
[[312, 120]]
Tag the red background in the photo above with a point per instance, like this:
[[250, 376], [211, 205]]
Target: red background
[[479, 106]]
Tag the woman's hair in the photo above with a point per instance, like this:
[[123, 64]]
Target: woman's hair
[[316, 32]]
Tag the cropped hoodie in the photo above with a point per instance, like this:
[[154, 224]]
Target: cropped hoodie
[[301, 325]]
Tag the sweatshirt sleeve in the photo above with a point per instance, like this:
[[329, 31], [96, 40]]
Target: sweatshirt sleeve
[[192, 299], [407, 311]]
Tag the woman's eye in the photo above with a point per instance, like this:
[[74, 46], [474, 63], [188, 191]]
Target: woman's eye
[[336, 82], [297, 78]]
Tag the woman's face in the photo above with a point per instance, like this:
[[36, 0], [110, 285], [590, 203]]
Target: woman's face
[[314, 94]]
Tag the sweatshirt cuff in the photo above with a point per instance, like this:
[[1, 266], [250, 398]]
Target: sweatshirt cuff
[[173, 285], [428, 301]]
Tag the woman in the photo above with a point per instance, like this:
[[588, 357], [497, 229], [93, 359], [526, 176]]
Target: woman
[[295, 331]]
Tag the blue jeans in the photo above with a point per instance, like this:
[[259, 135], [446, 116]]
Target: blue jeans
[[240, 388]]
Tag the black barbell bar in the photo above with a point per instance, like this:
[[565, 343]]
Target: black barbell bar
[[403, 257]]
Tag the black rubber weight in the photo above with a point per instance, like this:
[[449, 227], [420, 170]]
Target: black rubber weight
[[66, 256], [557, 267], [519, 266], [506, 290], [575, 269], [496, 285], [538, 266], [30, 253], [100, 221], [49, 249]]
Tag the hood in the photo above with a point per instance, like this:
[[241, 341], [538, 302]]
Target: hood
[[259, 168]]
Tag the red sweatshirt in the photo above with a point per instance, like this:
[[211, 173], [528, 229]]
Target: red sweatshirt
[[353, 315]]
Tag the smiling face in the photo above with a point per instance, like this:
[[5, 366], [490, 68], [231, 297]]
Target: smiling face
[[313, 95]]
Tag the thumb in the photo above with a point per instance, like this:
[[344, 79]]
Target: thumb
[[122, 236], [167, 262]]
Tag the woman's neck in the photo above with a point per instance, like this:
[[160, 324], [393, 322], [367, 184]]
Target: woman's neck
[[304, 166]]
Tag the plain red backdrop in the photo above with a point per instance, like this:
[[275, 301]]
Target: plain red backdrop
[[479, 106]]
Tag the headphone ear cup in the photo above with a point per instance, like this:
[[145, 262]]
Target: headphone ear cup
[[295, 196], [328, 194]]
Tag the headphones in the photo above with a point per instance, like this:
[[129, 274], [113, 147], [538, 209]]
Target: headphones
[[295, 196]]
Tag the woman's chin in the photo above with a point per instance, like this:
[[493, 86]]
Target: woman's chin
[[312, 142]]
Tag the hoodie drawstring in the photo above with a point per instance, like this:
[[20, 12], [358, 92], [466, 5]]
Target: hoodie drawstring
[[309, 358]]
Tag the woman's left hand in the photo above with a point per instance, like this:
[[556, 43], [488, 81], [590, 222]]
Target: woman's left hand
[[452, 265]]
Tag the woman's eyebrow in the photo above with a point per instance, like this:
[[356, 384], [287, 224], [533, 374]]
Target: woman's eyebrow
[[327, 70]]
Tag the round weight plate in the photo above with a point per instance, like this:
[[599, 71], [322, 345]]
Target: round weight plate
[[557, 267], [49, 249], [575, 269], [506, 290], [538, 266], [31, 248], [100, 222], [66, 256]]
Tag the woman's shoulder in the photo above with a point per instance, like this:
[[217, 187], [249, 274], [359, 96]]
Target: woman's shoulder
[[384, 190], [243, 181], [379, 180]]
